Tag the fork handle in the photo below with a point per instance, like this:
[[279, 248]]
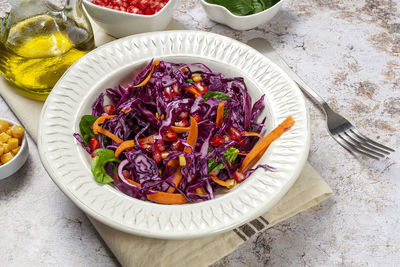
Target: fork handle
[[263, 46]]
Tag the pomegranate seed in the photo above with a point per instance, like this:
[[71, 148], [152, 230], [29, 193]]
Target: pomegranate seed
[[176, 90], [183, 115], [197, 117], [157, 156], [94, 143], [177, 145], [169, 135], [217, 141], [238, 176], [159, 145], [242, 142], [169, 93], [109, 109], [201, 87], [182, 123], [126, 174], [144, 145], [234, 133], [93, 155]]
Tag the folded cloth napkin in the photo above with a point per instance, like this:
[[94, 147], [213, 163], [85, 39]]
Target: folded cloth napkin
[[309, 190]]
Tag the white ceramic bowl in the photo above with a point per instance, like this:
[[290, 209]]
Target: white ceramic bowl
[[222, 15], [121, 24], [68, 164], [16, 163]]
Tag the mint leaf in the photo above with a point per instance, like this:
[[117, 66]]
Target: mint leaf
[[230, 154], [98, 162], [84, 128], [237, 7], [217, 95]]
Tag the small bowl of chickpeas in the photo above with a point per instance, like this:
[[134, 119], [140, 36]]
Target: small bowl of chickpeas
[[13, 147]]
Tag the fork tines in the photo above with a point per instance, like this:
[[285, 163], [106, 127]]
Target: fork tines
[[354, 141]]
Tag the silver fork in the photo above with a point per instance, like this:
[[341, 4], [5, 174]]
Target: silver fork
[[339, 128]]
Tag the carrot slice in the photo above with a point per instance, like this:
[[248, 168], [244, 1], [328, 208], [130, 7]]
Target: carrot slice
[[178, 129], [220, 114], [132, 182], [146, 80], [174, 163], [218, 181], [243, 154], [258, 150], [124, 145], [147, 139], [193, 91], [192, 137], [100, 120], [177, 179], [110, 135], [167, 198], [252, 134]]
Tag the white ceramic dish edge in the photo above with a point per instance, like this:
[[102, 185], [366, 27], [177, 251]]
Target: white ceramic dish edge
[[194, 232]]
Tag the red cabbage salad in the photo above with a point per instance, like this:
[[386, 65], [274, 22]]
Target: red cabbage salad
[[176, 134]]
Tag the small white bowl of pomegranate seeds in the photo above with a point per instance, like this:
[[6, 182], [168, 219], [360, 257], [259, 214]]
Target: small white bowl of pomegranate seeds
[[121, 18]]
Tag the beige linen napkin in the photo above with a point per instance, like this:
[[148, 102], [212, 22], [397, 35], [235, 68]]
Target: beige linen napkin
[[309, 190]]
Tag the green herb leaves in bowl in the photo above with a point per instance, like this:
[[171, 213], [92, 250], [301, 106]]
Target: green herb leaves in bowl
[[245, 7]]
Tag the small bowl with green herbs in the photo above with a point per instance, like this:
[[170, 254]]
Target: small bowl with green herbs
[[241, 14]]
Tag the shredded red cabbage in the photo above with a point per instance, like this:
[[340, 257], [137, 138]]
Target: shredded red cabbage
[[163, 102]]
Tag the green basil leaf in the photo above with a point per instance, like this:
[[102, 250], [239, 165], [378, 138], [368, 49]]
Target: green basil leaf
[[84, 128], [237, 7], [258, 6], [98, 162], [217, 95], [269, 3], [213, 165], [230, 154]]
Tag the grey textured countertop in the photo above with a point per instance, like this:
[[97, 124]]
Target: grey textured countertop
[[346, 50]]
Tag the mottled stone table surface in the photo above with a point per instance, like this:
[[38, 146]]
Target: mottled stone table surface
[[347, 50]]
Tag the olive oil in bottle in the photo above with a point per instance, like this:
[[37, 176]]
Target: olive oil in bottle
[[39, 50]]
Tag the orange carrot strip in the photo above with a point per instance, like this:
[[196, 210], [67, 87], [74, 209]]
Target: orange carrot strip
[[148, 76], [147, 139], [110, 135], [218, 181], [174, 163], [193, 91], [126, 110], [252, 134], [258, 150], [177, 179], [100, 120], [124, 145], [243, 154], [184, 69], [178, 129], [192, 137], [220, 114], [167, 198], [132, 182]]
